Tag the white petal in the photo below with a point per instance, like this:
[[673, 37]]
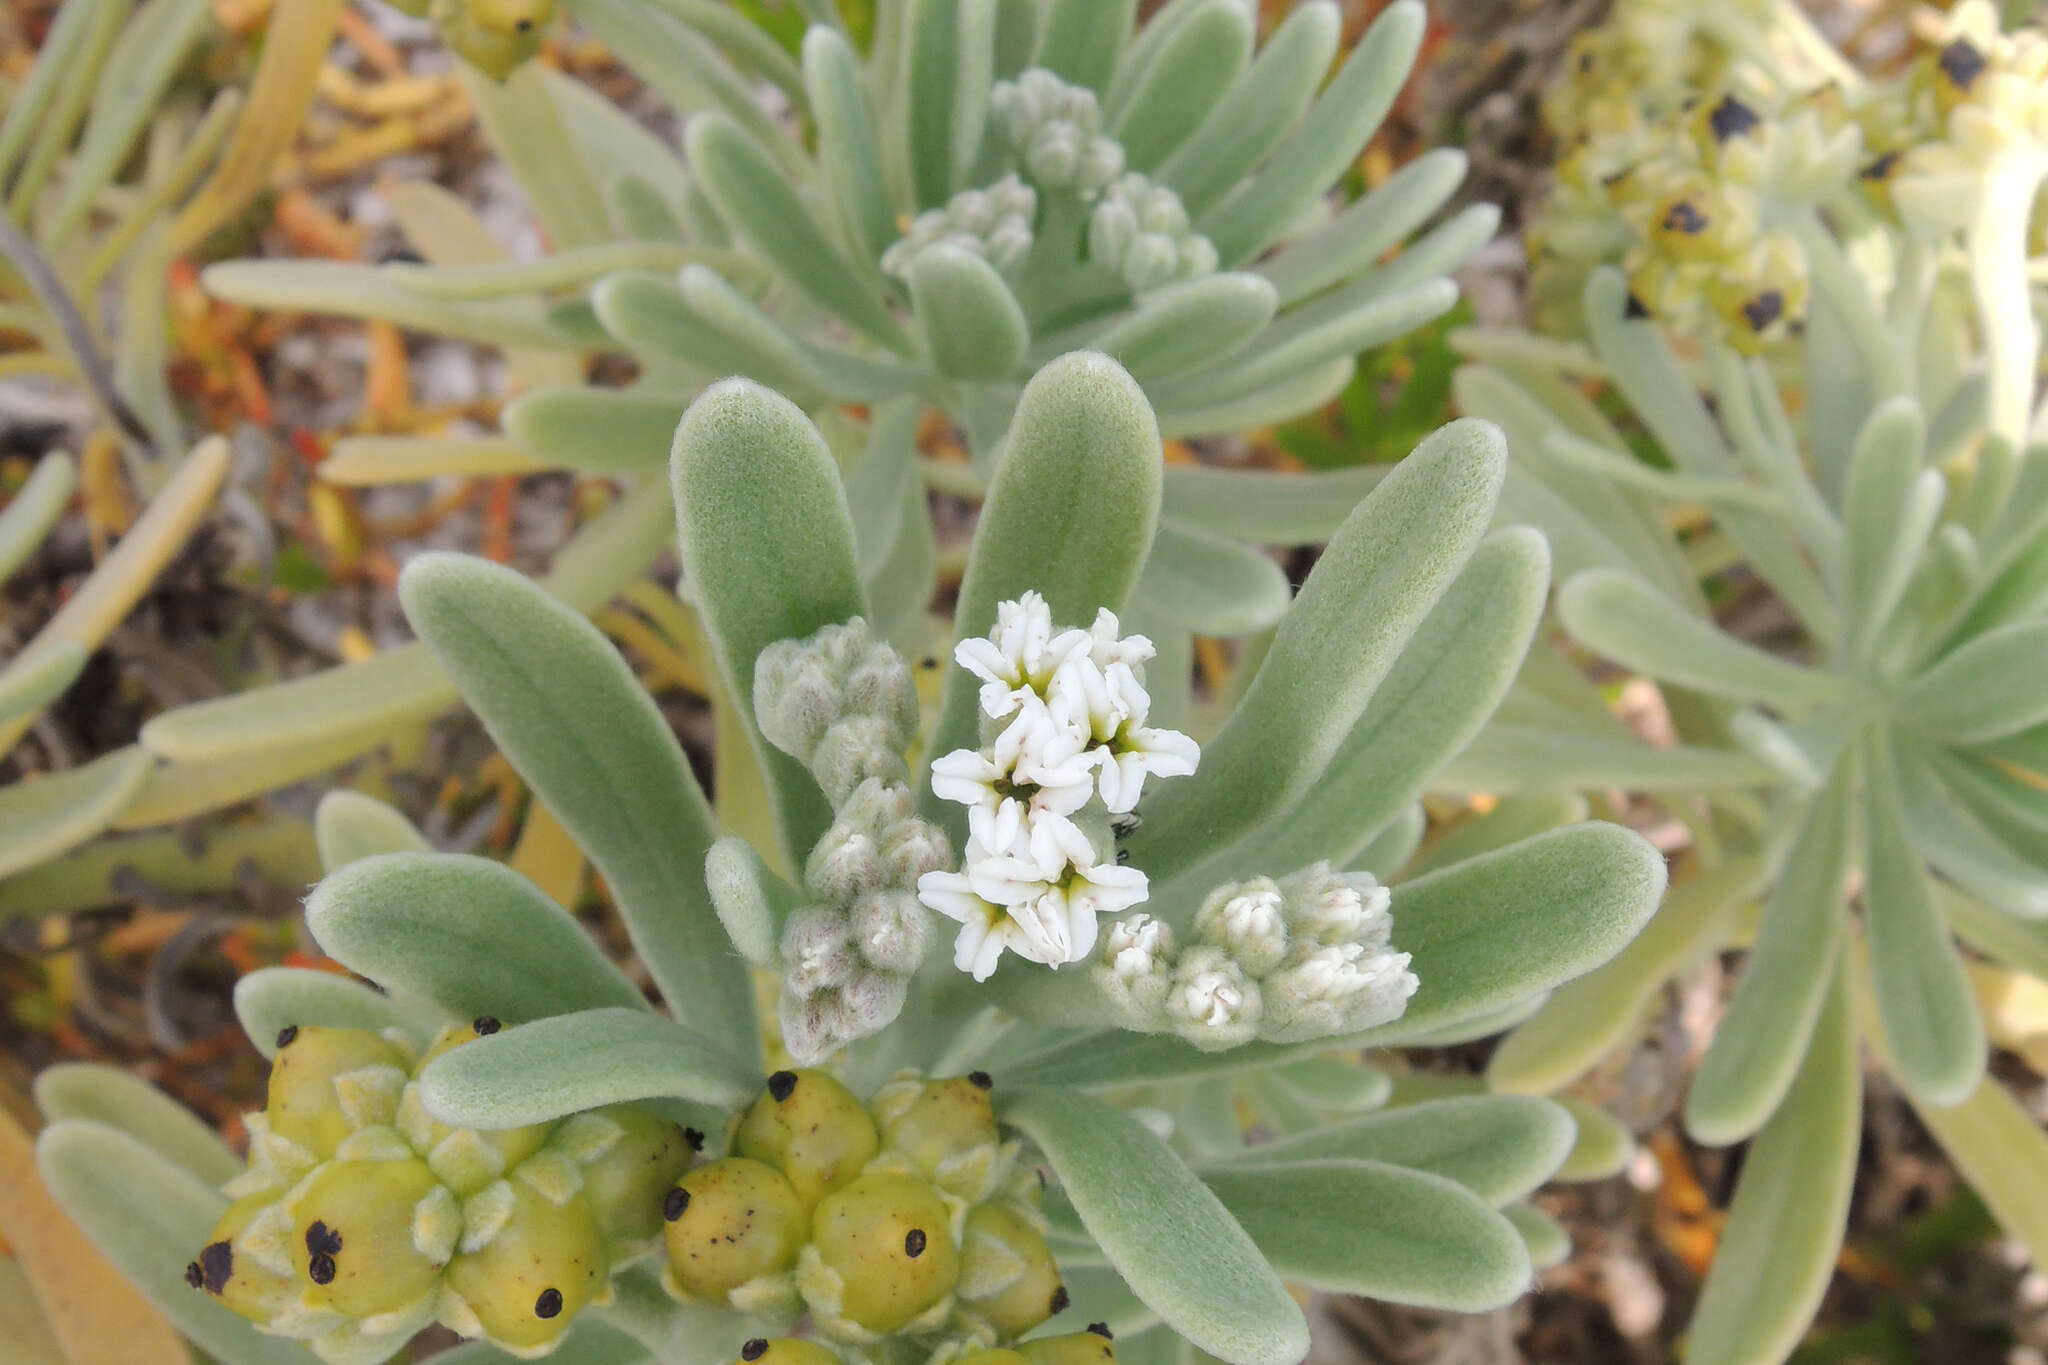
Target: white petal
[[951, 894]]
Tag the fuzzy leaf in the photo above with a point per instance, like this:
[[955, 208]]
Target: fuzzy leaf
[[41, 817], [35, 507], [1188, 324], [752, 901], [1332, 1085], [1984, 690], [1514, 819], [469, 934], [973, 325], [1194, 414], [1357, 238], [1182, 83], [271, 999], [602, 430], [1211, 585], [41, 679], [1959, 842], [1603, 1145], [105, 1094], [349, 825], [1509, 757], [1548, 1242], [848, 151], [2001, 1150], [1885, 514], [1166, 1234], [1082, 39], [567, 1063], [568, 712], [1275, 509], [345, 290], [749, 470], [1364, 1227]]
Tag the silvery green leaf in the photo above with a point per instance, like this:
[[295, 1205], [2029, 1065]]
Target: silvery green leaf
[[1288, 398], [34, 509], [1333, 1085], [974, 74], [349, 825], [1211, 585], [1353, 241], [1963, 847], [2014, 809], [1082, 39], [1257, 111], [640, 211], [1512, 820], [1387, 1232], [1399, 551], [1500, 1147], [1268, 508], [1620, 616], [524, 123], [2008, 593], [973, 325], [849, 153], [1784, 1230], [1326, 142], [30, 99], [1998, 1146], [936, 77], [1588, 1018], [601, 430], [1098, 1294], [747, 329], [1603, 1145], [753, 196], [1165, 1233], [1182, 83], [1932, 1026], [1548, 1242], [1881, 514], [470, 935], [1509, 758], [751, 49], [1985, 689], [340, 289], [272, 999], [752, 902], [613, 143], [749, 470], [1771, 1018], [572, 718], [650, 316], [42, 817], [1388, 851], [537, 1072], [1441, 250], [1188, 324], [901, 585], [37, 679], [109, 1095], [148, 1215], [1070, 513]]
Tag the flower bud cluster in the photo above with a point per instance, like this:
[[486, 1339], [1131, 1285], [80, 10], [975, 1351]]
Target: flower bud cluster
[[843, 703], [908, 1216], [1140, 230], [362, 1218], [1983, 94], [1055, 129], [994, 223], [1308, 956], [1065, 752]]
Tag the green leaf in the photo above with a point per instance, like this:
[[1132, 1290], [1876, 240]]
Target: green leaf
[[1211, 585], [35, 508], [1188, 324], [1548, 1242], [1999, 1147], [933, 30], [1622, 617], [1070, 514], [1784, 1230], [521, 118], [1291, 396], [1325, 144], [567, 711], [342, 289], [1958, 841], [1983, 690], [1514, 819], [1082, 39], [1398, 551], [1931, 1022], [1166, 1234], [1388, 852], [1333, 1085], [1357, 238], [170, 862], [650, 315], [106, 1094], [40, 677], [1889, 507], [149, 1216], [1771, 1017], [750, 471], [1507, 758], [272, 999], [973, 325], [1602, 1148], [752, 902], [849, 154], [41, 817], [1275, 509], [348, 825], [543, 1070], [1387, 1232], [753, 195], [471, 935], [602, 430], [1182, 83], [1500, 1147]]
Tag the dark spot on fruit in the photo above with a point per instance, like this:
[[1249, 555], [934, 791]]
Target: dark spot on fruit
[[1060, 1298], [1731, 118], [485, 1025], [1684, 217], [321, 1268], [695, 1138], [981, 1080], [913, 1243], [1585, 61], [194, 1276], [1101, 1329], [549, 1304], [675, 1204], [1763, 310], [928, 661], [782, 1085], [216, 1265], [285, 1036], [1962, 63], [526, 26], [1881, 169], [1634, 308], [754, 1349], [321, 1238]]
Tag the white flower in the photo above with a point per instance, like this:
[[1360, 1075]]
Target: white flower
[[1247, 921], [1140, 752], [1107, 648], [1019, 655], [985, 928], [1137, 946], [1212, 1003]]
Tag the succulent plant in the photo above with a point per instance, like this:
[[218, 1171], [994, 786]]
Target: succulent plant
[[981, 1158], [1884, 750]]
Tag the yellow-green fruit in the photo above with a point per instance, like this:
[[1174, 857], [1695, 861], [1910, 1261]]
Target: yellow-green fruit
[[478, 1155], [1007, 1274], [236, 1279], [731, 1221], [812, 1129], [951, 1116], [889, 1238], [1092, 1347], [989, 1355], [353, 1222], [626, 1185], [321, 1078], [787, 1351], [531, 1280], [511, 16]]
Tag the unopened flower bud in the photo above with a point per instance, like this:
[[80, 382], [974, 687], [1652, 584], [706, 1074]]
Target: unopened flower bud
[[1211, 1002], [1112, 228], [795, 697], [891, 930], [887, 1239], [1245, 919], [881, 686], [729, 1222], [1332, 989], [1151, 260], [870, 1002], [1135, 968], [856, 747], [844, 864]]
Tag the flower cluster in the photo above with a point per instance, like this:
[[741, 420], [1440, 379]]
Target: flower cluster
[[1140, 229], [845, 706], [1056, 131], [1308, 956], [1983, 93], [1066, 750], [994, 223]]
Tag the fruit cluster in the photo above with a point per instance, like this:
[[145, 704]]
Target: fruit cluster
[[362, 1218], [907, 1216]]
